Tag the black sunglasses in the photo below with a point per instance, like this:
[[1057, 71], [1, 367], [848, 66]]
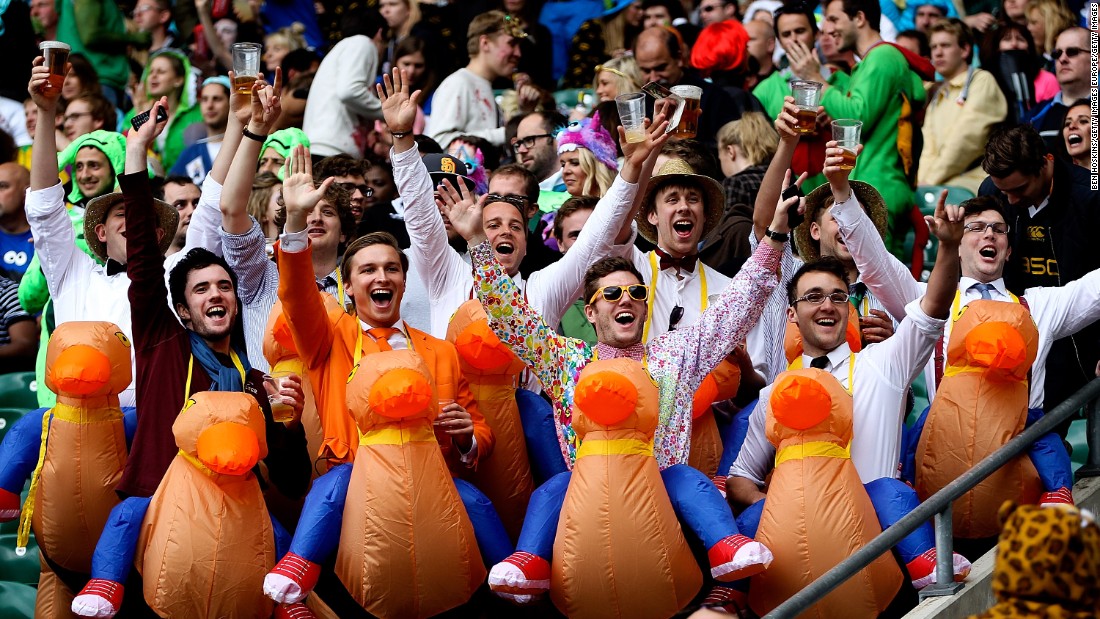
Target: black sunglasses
[[363, 189], [1070, 52], [674, 317]]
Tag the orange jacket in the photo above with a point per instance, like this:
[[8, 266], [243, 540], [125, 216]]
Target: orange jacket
[[327, 346]]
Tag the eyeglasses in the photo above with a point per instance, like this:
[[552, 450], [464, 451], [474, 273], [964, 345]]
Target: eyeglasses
[[529, 141], [1070, 52], [980, 227], [74, 116], [817, 298], [363, 189], [611, 294], [515, 200], [142, 9], [674, 317]]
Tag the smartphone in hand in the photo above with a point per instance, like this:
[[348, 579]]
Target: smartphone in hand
[[794, 218], [659, 92], [137, 121]]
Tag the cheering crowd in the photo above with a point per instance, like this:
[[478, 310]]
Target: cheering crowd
[[666, 363]]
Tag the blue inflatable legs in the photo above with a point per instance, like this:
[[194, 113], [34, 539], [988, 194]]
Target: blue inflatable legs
[[540, 524], [536, 415], [318, 531], [698, 504], [19, 451], [114, 553], [1050, 458], [492, 539], [893, 499], [733, 436]]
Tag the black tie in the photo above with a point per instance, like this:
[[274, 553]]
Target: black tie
[[820, 362]]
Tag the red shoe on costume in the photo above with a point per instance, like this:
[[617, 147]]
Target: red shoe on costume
[[98, 598], [922, 570], [727, 600], [720, 483], [9, 506], [1061, 496], [521, 577], [735, 557], [292, 579]]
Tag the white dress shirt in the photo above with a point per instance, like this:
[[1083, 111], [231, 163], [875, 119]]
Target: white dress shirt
[[676, 288], [879, 381], [448, 276], [1058, 311]]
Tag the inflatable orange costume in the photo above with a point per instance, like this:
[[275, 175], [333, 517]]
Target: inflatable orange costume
[[407, 547], [602, 537], [87, 366], [493, 372], [979, 406], [706, 441], [817, 512]]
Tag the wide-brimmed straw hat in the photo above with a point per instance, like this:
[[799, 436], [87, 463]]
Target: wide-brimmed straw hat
[[808, 249], [679, 171], [168, 219]]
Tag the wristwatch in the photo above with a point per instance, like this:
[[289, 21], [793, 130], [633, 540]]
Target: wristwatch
[[780, 237]]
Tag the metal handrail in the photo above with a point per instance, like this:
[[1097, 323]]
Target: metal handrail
[[938, 503]]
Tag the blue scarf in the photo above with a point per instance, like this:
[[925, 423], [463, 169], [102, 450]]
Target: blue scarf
[[221, 378]]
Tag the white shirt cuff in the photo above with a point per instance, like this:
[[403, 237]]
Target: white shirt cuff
[[45, 200], [294, 242], [470, 457]]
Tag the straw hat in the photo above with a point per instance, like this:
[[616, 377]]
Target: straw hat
[[168, 219], [868, 196], [678, 171]]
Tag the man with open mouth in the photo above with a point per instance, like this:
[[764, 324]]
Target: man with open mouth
[[617, 303], [877, 377]]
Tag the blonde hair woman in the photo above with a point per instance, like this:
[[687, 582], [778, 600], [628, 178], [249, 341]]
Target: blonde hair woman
[[280, 43], [745, 147], [1045, 20], [587, 156], [400, 16], [263, 203], [618, 76]]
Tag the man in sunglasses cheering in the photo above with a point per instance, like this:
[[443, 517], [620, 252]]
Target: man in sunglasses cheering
[[678, 361]]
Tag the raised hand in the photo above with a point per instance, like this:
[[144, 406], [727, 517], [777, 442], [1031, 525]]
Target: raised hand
[[299, 192], [834, 173], [803, 62], [151, 129], [779, 219], [946, 224], [240, 104], [44, 98], [636, 153], [463, 210], [265, 105], [786, 122], [398, 107]]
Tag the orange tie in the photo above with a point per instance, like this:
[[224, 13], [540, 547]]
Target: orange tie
[[381, 337]]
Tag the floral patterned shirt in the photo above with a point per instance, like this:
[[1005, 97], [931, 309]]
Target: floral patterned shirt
[[678, 361]]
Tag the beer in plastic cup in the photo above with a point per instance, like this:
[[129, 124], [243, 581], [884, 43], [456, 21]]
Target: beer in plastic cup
[[632, 115], [847, 132], [56, 55], [688, 126], [246, 66], [807, 96], [281, 410]]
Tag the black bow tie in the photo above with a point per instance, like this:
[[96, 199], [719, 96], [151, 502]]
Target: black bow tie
[[114, 268], [820, 363], [686, 263]]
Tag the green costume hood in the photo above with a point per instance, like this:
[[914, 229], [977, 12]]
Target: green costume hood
[[284, 141], [187, 97], [111, 143]]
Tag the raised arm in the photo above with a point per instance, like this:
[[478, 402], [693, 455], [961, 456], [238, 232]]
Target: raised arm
[[263, 111], [773, 183], [947, 226], [44, 154], [302, 303], [245, 247], [434, 259], [886, 277]]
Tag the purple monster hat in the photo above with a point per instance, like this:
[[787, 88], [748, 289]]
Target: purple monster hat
[[589, 133]]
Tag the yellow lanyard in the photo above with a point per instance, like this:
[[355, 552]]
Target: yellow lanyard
[[797, 365], [359, 342], [340, 291], [653, 300], [191, 367]]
